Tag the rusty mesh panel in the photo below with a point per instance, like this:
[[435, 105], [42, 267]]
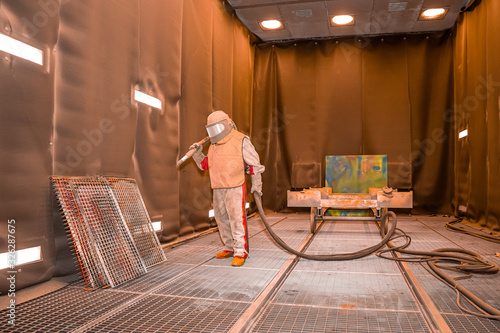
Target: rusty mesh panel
[[137, 219], [106, 251], [79, 235]]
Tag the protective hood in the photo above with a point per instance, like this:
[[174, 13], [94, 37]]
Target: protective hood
[[218, 130], [219, 125]]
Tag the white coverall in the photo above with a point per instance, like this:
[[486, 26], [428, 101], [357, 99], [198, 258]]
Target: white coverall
[[229, 203]]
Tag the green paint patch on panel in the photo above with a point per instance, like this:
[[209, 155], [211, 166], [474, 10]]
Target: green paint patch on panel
[[354, 174]]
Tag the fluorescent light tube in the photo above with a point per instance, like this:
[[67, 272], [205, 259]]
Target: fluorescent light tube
[[156, 225], [21, 257], [20, 49], [463, 134], [147, 99]]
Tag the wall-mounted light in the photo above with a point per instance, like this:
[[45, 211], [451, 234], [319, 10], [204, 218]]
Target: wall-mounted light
[[433, 13], [271, 24], [463, 134], [343, 20], [156, 225], [247, 205], [147, 99], [20, 257], [211, 213], [20, 49]]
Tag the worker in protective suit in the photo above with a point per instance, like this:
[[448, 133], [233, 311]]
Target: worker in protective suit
[[230, 156]]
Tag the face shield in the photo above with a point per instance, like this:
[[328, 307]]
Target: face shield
[[218, 130]]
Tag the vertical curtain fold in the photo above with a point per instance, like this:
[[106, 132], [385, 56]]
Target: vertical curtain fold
[[477, 85]]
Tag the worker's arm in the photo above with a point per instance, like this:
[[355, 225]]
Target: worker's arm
[[252, 159]]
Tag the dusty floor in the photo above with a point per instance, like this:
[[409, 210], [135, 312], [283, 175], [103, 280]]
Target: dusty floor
[[274, 292]]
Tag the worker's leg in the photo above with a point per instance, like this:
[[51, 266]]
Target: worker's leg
[[222, 218], [235, 206]]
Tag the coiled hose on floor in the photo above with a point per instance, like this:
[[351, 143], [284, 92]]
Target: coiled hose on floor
[[330, 257], [464, 260], [454, 259]]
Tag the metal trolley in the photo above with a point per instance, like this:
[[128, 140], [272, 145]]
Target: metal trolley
[[379, 200]]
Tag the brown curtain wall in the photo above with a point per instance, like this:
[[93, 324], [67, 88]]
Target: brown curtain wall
[[476, 109], [404, 97], [348, 97], [75, 116]]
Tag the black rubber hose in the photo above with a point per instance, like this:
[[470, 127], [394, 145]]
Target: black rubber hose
[[464, 261], [329, 257], [464, 291]]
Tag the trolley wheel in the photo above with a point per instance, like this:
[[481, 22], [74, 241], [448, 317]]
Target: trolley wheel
[[314, 214]]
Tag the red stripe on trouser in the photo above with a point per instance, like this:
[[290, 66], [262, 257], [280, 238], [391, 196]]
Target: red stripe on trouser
[[244, 219]]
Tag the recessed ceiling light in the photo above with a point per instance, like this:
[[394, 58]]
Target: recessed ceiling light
[[433, 13], [343, 20], [271, 24]]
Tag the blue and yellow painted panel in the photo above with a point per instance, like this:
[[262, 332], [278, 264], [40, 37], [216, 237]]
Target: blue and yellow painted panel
[[355, 174]]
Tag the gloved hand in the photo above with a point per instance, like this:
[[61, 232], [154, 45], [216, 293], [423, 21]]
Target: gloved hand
[[196, 146], [198, 154], [256, 184]]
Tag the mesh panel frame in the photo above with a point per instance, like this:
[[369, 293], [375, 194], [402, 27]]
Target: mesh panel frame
[[109, 227], [137, 219]]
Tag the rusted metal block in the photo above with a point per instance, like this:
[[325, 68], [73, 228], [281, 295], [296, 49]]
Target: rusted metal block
[[323, 198], [343, 203], [350, 196], [307, 198], [395, 200], [325, 191]]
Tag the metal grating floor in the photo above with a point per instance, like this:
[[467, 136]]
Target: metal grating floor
[[194, 292]]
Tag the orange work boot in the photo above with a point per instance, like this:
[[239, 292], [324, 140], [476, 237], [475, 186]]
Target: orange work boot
[[238, 261], [224, 254]]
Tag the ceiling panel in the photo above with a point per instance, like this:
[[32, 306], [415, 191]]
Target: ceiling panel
[[305, 19], [309, 19]]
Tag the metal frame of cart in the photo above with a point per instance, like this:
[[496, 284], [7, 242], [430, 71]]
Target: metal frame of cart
[[379, 200]]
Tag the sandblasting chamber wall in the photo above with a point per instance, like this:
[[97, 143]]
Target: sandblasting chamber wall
[[75, 115], [476, 113], [357, 96]]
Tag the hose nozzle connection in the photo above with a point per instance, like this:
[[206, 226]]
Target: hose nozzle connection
[[191, 152]]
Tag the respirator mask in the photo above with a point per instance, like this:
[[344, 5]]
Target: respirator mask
[[218, 130]]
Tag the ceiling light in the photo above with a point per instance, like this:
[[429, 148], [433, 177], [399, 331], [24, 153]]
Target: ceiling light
[[433, 13], [343, 20], [20, 49], [147, 99], [271, 24]]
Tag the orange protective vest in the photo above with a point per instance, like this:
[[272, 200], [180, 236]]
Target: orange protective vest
[[225, 161]]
